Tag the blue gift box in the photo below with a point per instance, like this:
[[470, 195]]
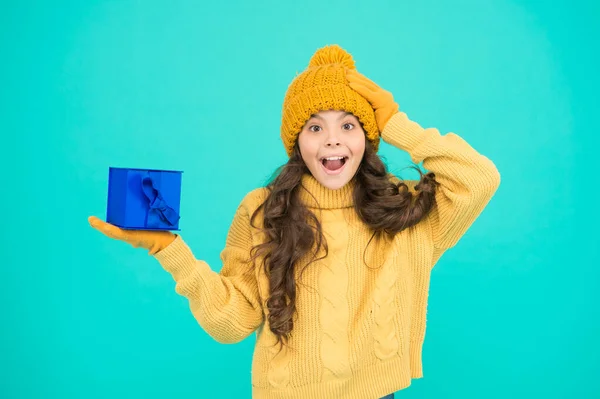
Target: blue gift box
[[144, 199]]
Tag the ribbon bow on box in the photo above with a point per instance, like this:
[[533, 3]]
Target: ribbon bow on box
[[159, 209]]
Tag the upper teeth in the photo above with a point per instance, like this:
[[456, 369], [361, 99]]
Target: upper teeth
[[334, 158]]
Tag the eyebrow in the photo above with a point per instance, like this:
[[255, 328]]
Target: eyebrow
[[345, 114]]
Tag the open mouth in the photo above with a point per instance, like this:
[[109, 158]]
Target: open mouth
[[333, 165]]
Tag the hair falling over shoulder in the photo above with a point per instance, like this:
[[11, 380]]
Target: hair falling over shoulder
[[293, 231]]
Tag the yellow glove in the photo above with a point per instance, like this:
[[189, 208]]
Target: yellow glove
[[153, 241], [381, 100]]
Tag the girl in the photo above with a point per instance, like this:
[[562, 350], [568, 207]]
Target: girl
[[330, 263]]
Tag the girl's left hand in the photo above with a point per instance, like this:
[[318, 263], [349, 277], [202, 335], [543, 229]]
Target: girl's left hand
[[381, 100]]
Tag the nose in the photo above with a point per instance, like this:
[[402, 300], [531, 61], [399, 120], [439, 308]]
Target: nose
[[332, 139]]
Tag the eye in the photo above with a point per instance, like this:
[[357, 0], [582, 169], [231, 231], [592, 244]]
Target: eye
[[312, 130], [348, 126]]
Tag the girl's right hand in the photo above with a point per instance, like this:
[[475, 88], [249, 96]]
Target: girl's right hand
[[153, 241]]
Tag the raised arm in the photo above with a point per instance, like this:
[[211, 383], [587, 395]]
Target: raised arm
[[468, 180]]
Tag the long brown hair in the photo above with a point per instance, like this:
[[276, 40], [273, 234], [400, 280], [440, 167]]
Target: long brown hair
[[292, 230]]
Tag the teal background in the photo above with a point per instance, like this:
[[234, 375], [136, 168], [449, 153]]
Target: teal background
[[513, 309]]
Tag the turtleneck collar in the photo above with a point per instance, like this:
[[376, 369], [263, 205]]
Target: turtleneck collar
[[314, 195]]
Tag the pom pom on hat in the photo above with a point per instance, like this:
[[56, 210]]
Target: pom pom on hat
[[333, 54], [324, 86]]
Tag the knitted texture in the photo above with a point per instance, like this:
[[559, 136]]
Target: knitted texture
[[323, 86], [361, 311], [333, 288]]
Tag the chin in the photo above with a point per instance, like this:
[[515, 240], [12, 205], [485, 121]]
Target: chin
[[333, 185]]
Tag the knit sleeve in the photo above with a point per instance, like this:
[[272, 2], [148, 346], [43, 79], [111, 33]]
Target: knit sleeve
[[225, 304], [468, 180]]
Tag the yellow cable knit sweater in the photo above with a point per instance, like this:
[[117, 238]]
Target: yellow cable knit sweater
[[360, 328]]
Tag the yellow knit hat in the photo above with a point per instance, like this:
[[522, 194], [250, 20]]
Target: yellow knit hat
[[323, 86]]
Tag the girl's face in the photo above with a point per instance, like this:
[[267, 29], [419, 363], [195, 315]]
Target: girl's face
[[332, 144]]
